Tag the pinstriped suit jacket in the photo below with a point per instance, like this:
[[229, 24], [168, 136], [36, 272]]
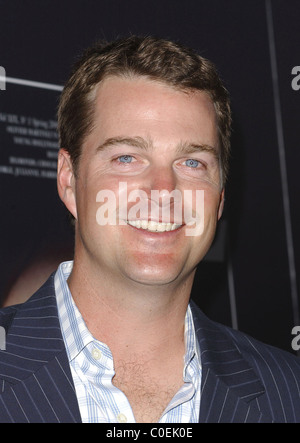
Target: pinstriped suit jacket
[[243, 380]]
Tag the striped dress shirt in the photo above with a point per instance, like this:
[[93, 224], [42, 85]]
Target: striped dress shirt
[[92, 368]]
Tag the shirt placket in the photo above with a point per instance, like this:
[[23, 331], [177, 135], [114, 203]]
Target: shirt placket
[[111, 403]]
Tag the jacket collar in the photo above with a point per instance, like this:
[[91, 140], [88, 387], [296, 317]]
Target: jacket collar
[[229, 383]]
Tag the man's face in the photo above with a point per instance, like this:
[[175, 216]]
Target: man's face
[[148, 137]]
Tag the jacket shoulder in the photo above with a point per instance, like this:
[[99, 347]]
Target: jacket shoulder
[[277, 371], [260, 352], [250, 348], [8, 314]]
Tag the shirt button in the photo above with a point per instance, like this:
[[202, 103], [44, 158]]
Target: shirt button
[[96, 354], [122, 418]]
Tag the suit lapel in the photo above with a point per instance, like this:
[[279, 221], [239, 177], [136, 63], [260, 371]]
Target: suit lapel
[[36, 383], [229, 384]]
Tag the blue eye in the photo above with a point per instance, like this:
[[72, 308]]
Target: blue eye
[[125, 158], [192, 163]]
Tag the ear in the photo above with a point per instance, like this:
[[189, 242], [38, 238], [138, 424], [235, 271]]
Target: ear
[[66, 181], [221, 204]]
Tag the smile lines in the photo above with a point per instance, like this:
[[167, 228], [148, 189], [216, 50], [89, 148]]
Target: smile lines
[[153, 226]]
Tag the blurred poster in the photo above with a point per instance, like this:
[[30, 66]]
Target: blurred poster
[[35, 233]]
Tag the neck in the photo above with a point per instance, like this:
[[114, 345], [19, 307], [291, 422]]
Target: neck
[[130, 317]]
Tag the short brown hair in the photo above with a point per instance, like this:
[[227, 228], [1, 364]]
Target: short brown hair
[[151, 57]]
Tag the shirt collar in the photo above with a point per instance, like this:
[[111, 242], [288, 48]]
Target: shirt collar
[[77, 336], [74, 330]]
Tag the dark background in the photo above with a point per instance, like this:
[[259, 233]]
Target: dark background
[[249, 280]]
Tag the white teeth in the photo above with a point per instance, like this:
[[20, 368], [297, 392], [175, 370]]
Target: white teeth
[[153, 226]]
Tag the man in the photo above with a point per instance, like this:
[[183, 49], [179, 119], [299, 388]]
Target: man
[[112, 337]]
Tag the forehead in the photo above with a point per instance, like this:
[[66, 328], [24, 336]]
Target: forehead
[[114, 90], [140, 106]]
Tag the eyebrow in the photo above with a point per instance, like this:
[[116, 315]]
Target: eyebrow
[[142, 143], [190, 148], [136, 142]]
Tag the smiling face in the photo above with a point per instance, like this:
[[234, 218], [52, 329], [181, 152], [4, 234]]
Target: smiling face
[[147, 138]]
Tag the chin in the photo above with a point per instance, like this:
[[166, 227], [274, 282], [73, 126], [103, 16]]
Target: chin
[[158, 269], [154, 275], [152, 281]]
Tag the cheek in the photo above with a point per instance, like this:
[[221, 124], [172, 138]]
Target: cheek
[[211, 208], [202, 200], [88, 186]]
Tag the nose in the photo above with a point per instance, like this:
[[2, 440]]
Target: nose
[[164, 200], [161, 179]]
